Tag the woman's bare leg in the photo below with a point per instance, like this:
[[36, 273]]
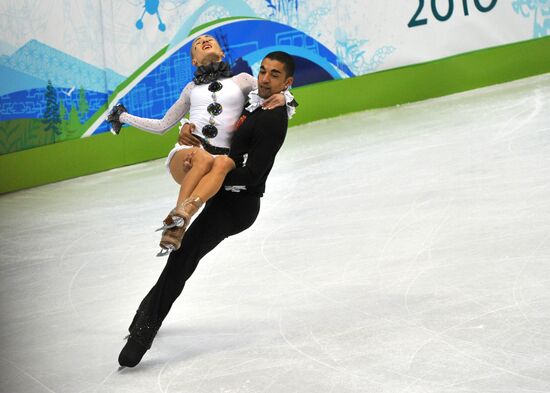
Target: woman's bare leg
[[188, 179], [211, 183], [190, 202]]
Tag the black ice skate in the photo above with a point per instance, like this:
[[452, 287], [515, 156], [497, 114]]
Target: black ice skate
[[132, 353], [142, 333]]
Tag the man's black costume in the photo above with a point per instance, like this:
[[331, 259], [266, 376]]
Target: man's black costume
[[232, 210]]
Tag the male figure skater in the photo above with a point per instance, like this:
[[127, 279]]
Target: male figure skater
[[214, 101], [233, 209]]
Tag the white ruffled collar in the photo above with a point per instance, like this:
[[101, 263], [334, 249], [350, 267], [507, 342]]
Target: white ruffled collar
[[255, 101]]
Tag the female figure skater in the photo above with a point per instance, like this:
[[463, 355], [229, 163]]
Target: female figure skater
[[214, 101]]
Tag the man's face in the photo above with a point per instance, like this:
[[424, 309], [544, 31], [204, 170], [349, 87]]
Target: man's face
[[272, 78], [206, 50]]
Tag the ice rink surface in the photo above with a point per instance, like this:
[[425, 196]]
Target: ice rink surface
[[397, 250]]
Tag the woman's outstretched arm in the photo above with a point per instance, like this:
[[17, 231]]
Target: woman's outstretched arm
[[171, 118]]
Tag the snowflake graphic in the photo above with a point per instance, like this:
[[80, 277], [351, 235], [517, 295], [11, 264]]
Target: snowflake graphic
[[539, 10], [350, 51]]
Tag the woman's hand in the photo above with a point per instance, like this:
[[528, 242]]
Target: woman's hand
[[276, 100], [186, 137], [188, 162]]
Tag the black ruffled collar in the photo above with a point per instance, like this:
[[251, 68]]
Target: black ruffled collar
[[211, 72]]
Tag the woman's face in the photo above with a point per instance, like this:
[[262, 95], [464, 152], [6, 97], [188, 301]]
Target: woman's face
[[206, 50]]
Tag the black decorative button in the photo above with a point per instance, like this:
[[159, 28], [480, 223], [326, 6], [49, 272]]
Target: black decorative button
[[209, 131], [214, 109], [215, 86]]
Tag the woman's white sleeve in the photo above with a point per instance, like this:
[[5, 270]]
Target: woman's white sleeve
[[171, 118], [246, 82]]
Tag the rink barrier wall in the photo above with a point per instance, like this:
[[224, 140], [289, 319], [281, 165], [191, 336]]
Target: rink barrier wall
[[61, 161]]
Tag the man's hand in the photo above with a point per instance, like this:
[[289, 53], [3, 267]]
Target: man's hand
[[186, 137], [274, 101]]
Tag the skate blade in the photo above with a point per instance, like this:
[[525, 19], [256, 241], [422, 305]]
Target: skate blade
[[164, 251], [177, 222]]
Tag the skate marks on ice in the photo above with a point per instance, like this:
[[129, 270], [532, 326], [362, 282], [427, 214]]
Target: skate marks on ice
[[398, 250], [475, 216]]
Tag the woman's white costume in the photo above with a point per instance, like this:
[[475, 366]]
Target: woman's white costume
[[195, 99]]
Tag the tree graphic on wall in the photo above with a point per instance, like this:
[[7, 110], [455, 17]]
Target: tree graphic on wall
[[73, 124], [52, 118], [70, 126], [83, 106], [63, 125]]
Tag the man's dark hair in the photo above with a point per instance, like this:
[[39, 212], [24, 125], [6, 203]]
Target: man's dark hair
[[284, 58]]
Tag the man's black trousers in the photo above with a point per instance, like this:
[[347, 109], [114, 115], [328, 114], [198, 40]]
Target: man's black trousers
[[226, 214]]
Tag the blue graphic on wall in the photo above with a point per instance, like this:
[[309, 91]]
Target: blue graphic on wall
[[46, 96], [351, 51], [151, 7], [235, 8], [286, 10], [283, 6], [245, 43], [539, 11], [32, 65], [37, 117], [30, 104], [24, 78]]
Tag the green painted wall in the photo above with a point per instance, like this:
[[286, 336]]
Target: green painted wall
[[74, 158]]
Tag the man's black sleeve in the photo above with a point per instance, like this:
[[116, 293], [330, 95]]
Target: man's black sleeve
[[267, 138]]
